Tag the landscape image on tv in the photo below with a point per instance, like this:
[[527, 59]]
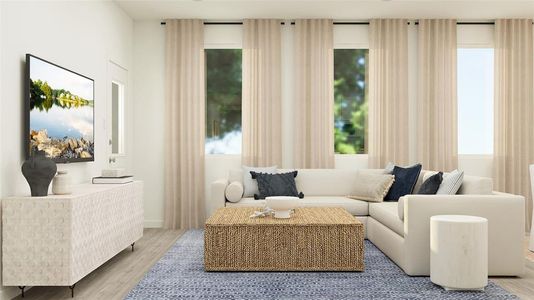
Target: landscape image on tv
[[60, 112]]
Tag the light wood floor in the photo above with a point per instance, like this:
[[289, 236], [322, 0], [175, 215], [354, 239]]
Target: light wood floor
[[115, 278], [528, 254], [523, 286], [118, 276]]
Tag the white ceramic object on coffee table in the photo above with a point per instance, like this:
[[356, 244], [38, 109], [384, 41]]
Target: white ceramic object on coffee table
[[282, 205]]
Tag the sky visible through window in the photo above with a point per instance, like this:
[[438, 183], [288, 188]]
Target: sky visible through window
[[475, 100]]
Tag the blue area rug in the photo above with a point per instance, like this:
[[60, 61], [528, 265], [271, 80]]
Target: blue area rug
[[180, 275]]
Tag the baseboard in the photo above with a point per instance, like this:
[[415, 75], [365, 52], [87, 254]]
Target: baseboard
[[153, 223]]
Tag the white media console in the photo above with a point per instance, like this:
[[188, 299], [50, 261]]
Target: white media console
[[58, 239]]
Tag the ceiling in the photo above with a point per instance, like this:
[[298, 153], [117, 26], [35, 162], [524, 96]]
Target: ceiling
[[468, 10]]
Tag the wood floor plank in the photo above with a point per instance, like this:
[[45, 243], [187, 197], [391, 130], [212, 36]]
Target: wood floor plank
[[522, 286], [115, 278]]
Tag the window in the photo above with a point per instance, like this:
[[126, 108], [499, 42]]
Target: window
[[475, 100], [223, 101], [350, 101]]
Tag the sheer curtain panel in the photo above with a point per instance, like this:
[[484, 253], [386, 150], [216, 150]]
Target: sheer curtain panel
[[437, 104], [185, 124], [514, 109], [314, 94], [388, 92], [261, 110]]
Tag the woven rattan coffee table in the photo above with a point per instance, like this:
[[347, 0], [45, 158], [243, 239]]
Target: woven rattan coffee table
[[313, 239]]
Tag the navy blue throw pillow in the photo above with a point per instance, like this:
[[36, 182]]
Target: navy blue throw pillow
[[431, 185], [405, 180], [282, 184]]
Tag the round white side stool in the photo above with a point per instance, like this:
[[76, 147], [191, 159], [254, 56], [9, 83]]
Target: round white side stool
[[459, 252]]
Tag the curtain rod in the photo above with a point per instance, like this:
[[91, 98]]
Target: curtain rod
[[281, 23], [349, 23]]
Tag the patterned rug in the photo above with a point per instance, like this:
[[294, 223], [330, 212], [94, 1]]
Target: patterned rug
[[180, 275]]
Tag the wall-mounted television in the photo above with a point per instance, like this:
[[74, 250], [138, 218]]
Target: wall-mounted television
[[59, 112]]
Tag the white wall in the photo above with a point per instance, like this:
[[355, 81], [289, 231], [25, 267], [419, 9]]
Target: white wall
[[1, 65], [149, 112], [80, 36], [148, 82]]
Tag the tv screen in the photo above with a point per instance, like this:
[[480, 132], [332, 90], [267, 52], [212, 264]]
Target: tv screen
[[60, 112]]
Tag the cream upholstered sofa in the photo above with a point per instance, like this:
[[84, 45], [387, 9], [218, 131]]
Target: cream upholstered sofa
[[402, 229]]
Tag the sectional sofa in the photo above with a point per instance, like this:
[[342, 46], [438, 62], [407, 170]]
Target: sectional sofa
[[402, 229]]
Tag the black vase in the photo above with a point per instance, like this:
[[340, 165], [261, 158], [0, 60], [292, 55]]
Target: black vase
[[39, 171]]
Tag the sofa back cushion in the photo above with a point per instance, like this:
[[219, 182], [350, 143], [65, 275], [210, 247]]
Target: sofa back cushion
[[325, 182], [476, 185], [471, 185], [340, 182]]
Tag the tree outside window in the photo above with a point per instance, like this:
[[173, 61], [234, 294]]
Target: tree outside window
[[350, 101], [223, 101]]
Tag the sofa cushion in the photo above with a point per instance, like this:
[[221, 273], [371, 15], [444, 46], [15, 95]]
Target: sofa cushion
[[431, 184], [419, 182], [325, 182], [372, 187], [246, 202], [451, 183], [475, 185], [234, 191], [471, 185], [405, 180], [354, 207], [390, 166], [386, 213], [389, 169], [251, 185], [282, 184]]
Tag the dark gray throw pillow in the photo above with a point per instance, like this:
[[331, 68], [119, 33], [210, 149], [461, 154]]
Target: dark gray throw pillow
[[405, 180], [282, 184], [431, 185]]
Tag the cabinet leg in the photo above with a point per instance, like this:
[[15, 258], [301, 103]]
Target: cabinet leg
[[22, 290], [133, 244], [72, 290]]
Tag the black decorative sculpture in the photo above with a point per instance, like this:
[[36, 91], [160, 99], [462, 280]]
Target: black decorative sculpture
[[39, 171]]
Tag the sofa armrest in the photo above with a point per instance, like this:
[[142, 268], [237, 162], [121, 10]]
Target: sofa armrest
[[218, 198], [506, 227]]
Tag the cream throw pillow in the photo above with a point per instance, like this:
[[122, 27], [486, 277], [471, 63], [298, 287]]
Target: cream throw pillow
[[372, 187], [234, 191]]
